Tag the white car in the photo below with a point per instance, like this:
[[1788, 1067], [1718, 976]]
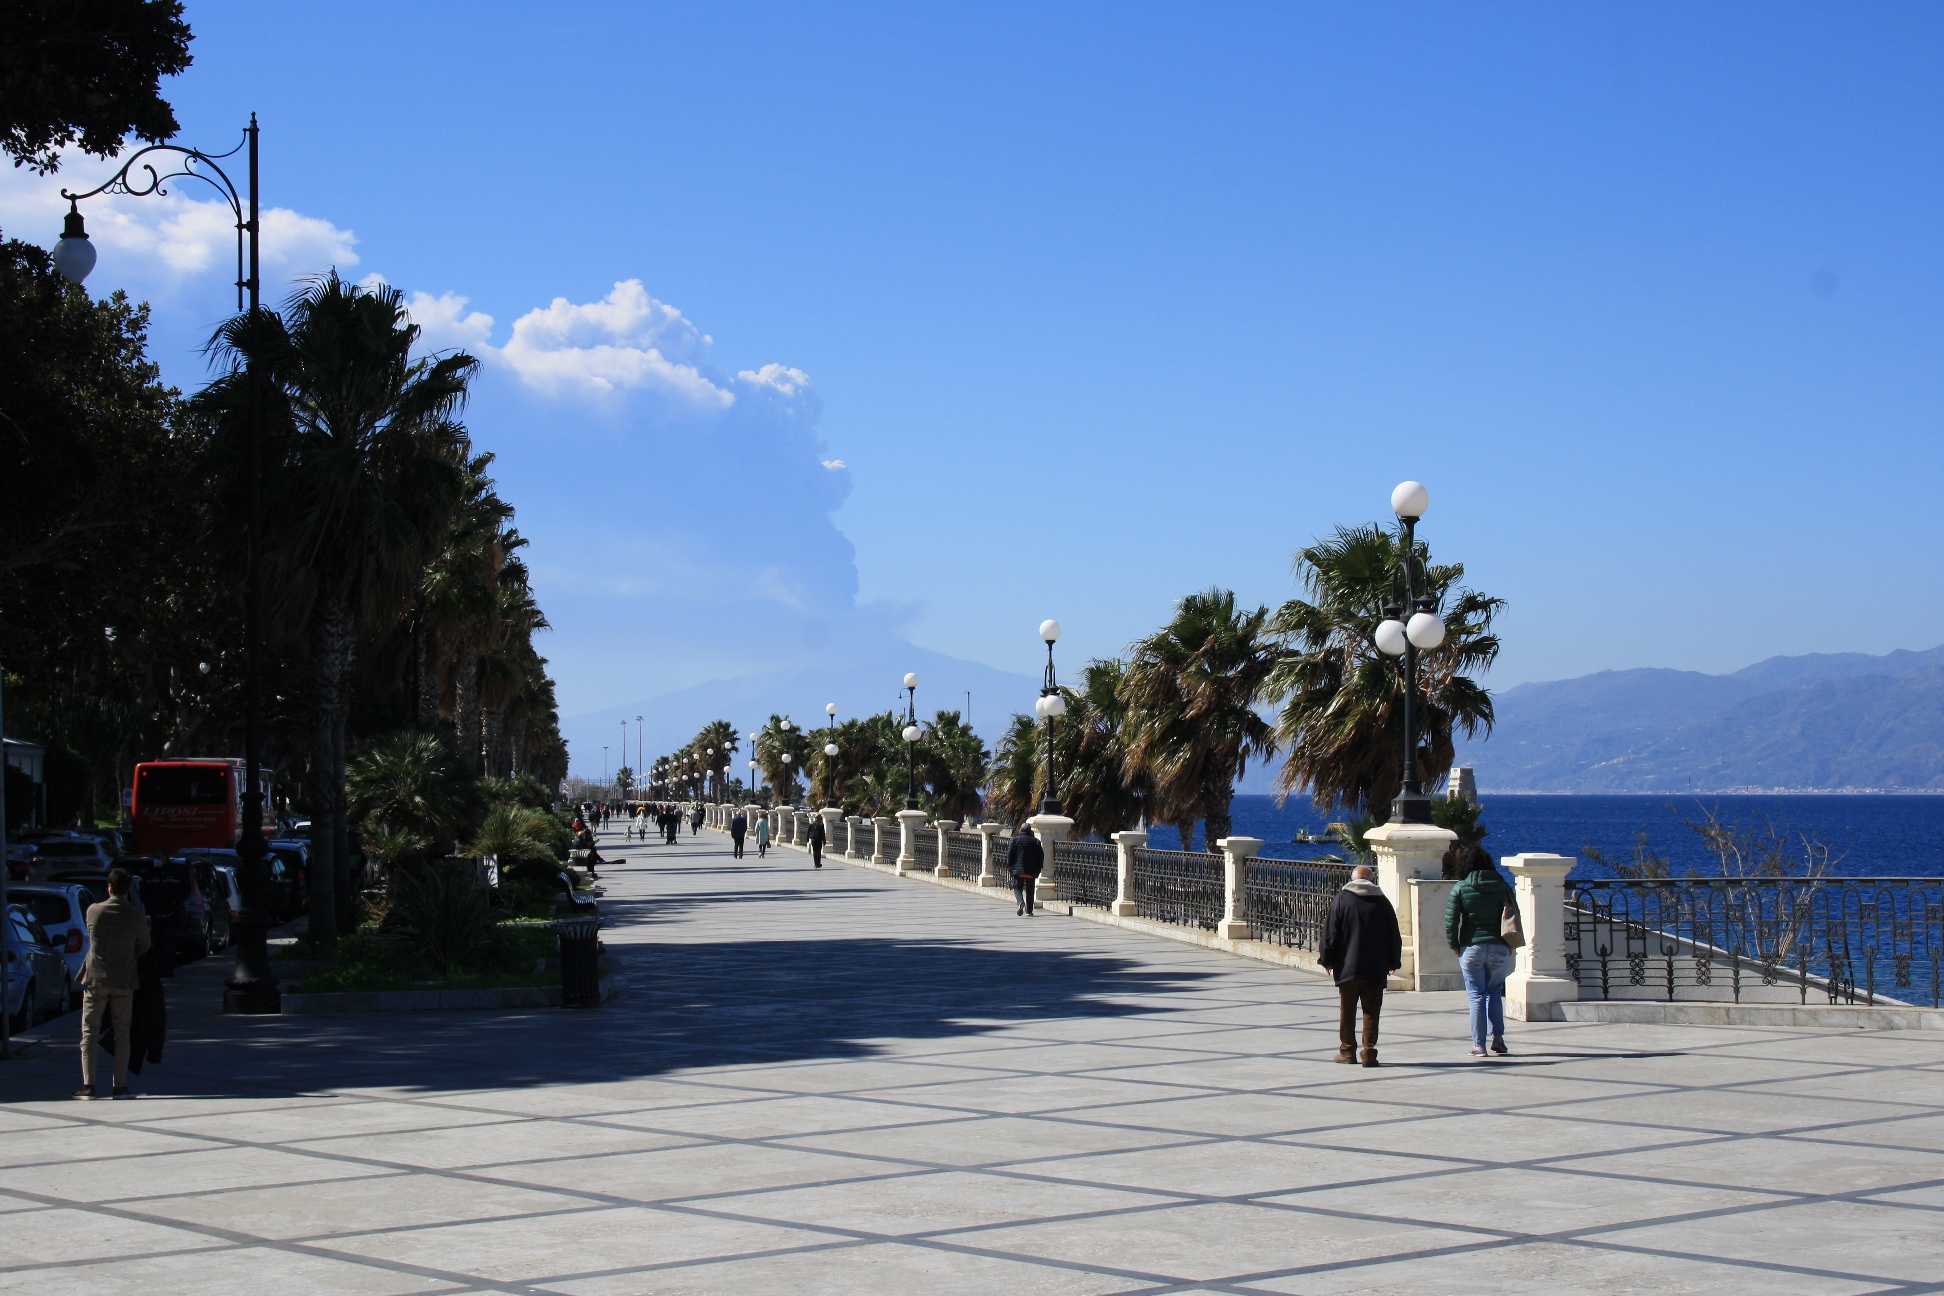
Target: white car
[[61, 908], [38, 985]]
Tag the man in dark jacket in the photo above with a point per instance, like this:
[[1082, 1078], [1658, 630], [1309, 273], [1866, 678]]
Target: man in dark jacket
[[1362, 947], [1025, 860], [738, 829], [816, 838]]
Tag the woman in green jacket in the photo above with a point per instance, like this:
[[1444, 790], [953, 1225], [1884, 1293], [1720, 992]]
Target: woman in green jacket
[[762, 833], [1472, 920]]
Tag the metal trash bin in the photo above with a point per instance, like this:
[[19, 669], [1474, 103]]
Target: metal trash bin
[[580, 962]]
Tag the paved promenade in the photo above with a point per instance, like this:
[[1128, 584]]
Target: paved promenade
[[840, 1081]]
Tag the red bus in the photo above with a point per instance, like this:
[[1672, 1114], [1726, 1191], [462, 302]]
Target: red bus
[[183, 803]]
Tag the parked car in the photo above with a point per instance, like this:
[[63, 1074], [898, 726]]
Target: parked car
[[110, 838], [68, 851], [95, 883], [294, 853], [225, 884], [213, 893], [196, 926], [38, 985], [20, 858], [61, 908]]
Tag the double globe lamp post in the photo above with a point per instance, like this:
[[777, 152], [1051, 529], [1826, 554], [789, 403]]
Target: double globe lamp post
[[911, 735], [830, 756], [1398, 637]]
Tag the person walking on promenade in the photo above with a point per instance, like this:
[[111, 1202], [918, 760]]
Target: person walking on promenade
[[816, 841], [1475, 922], [738, 829], [118, 935], [762, 835], [1025, 861], [696, 816], [1361, 947]]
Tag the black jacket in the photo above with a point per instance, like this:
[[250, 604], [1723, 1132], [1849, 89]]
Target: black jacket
[[816, 831], [1025, 857], [738, 826], [1360, 937], [148, 1018]]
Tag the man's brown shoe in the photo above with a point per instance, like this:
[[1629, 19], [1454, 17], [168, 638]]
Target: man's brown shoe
[[1347, 1056], [1369, 1057]]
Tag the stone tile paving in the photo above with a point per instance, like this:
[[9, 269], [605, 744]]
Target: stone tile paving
[[838, 1081]]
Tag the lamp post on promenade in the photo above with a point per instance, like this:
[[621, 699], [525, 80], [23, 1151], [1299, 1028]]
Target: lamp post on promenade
[[830, 756], [639, 754], [252, 987], [910, 735], [1397, 637], [1050, 705]]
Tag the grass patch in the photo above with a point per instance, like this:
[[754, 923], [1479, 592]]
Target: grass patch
[[369, 961]]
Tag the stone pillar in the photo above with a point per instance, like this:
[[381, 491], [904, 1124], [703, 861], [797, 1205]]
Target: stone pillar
[[1126, 843], [988, 866], [1436, 967], [776, 825], [803, 829], [854, 837], [881, 829], [1406, 851], [1540, 979], [832, 817], [749, 822], [1236, 854], [909, 822], [946, 827], [1050, 828]]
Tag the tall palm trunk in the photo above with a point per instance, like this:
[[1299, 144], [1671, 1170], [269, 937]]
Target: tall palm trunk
[[1219, 824], [330, 667], [1187, 831], [343, 892], [426, 673], [494, 739], [465, 697]]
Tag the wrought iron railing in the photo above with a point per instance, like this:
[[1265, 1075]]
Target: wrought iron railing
[[1179, 887], [962, 854], [1286, 901], [1766, 940], [1086, 873], [924, 843], [1001, 846]]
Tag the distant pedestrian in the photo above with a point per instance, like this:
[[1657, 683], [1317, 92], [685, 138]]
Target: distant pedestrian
[[118, 935], [1476, 918], [1025, 861], [738, 829], [816, 841], [1361, 947], [762, 835], [695, 821]]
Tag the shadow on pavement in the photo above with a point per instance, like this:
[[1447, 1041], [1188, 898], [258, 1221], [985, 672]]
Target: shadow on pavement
[[685, 1005]]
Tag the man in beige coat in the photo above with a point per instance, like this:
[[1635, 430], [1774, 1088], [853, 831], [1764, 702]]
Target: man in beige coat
[[118, 934]]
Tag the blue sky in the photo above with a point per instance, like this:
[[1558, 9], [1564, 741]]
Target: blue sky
[[1095, 306]]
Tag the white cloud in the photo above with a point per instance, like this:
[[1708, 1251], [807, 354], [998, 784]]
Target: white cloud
[[627, 341], [445, 324], [782, 379], [835, 465]]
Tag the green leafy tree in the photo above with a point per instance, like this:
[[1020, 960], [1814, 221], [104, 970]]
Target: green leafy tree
[[952, 766], [1101, 790], [1342, 717], [413, 782], [86, 73], [1191, 690], [1017, 773]]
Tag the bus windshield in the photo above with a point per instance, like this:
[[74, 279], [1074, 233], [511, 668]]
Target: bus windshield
[[183, 785]]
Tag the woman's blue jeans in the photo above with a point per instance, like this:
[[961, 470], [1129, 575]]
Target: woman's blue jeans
[[1485, 967]]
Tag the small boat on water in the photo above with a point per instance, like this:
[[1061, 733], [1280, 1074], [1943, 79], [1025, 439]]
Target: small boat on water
[[1336, 832]]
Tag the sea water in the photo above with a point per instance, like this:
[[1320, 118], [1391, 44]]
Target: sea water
[[1868, 835]]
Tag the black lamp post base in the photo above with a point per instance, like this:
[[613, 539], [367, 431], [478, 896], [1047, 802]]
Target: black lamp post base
[[252, 988], [1050, 806], [1411, 808]]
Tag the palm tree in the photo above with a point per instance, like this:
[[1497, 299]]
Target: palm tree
[[461, 595], [1013, 786], [363, 462], [413, 784], [772, 742], [1191, 690], [952, 764], [1342, 699], [722, 736], [1100, 791]]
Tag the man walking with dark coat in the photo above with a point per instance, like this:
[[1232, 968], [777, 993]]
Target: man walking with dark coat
[[1025, 860], [738, 829], [1362, 947], [118, 935], [816, 840]]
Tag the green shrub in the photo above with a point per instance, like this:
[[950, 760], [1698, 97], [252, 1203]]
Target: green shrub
[[442, 912]]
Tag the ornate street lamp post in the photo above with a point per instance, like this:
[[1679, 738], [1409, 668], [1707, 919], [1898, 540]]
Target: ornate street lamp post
[[252, 987], [1400, 638], [830, 756], [1050, 705], [911, 733]]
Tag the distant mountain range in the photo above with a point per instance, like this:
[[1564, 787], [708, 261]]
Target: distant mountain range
[[1829, 721]]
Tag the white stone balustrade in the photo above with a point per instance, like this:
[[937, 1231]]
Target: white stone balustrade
[[882, 829], [1540, 980], [1049, 829], [946, 827], [1125, 844], [1404, 852], [909, 822], [988, 866], [1236, 854]]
